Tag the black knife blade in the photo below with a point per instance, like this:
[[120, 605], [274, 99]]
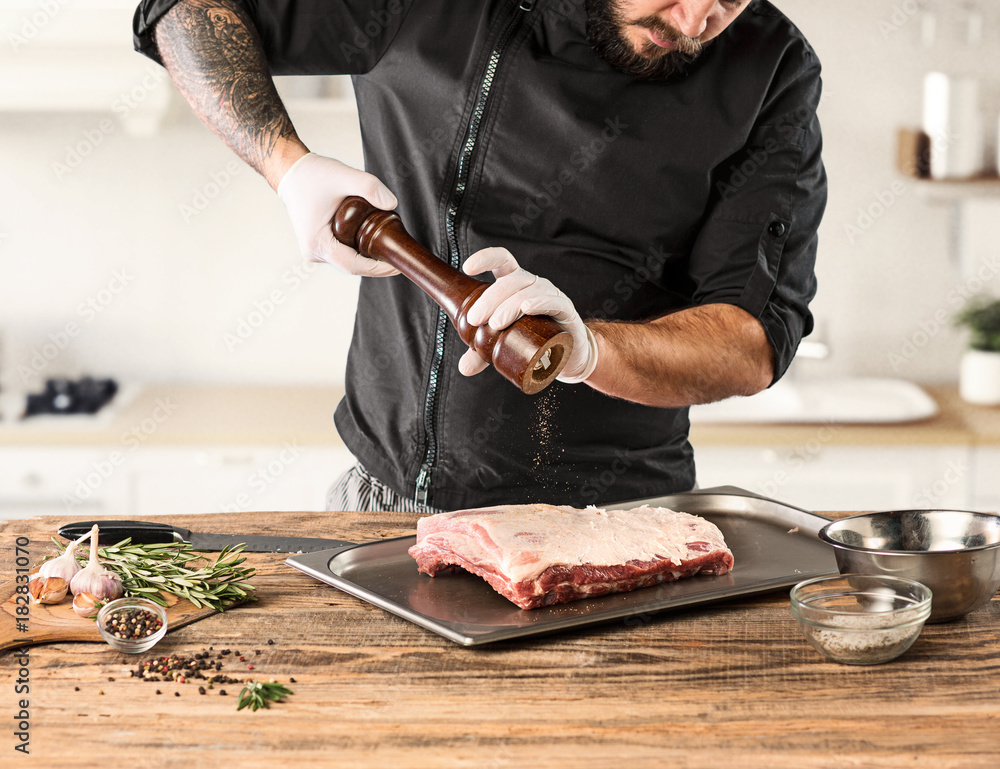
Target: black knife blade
[[147, 532]]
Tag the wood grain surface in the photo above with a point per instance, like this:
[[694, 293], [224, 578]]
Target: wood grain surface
[[730, 685], [58, 622]]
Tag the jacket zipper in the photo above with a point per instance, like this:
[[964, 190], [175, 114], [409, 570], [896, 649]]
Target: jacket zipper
[[451, 229]]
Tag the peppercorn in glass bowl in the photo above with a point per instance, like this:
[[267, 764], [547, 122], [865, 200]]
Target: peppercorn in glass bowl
[[132, 625], [860, 619]]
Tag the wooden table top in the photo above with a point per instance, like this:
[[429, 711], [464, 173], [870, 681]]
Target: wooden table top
[[727, 685]]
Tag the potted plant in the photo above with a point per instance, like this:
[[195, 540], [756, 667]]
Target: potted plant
[[979, 378]]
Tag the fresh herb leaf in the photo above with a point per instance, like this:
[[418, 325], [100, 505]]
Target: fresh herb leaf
[[173, 567], [257, 695]]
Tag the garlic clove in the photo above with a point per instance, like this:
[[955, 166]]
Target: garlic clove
[[110, 587], [94, 578], [87, 604], [47, 590], [65, 565]]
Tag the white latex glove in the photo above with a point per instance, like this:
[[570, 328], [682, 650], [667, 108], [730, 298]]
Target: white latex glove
[[312, 191], [517, 292]]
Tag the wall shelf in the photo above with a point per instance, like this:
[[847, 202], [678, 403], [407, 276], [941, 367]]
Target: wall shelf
[[967, 198], [951, 191]]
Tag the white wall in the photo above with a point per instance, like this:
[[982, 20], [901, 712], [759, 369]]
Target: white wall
[[191, 278], [192, 268], [881, 293]]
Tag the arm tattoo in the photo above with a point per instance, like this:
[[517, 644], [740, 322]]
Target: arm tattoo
[[215, 58]]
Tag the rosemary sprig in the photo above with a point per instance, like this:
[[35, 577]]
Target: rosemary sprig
[[174, 567], [257, 695]]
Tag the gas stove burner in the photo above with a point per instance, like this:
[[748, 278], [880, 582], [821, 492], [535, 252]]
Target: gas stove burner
[[64, 396]]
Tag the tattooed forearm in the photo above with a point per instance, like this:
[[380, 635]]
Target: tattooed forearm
[[214, 56]]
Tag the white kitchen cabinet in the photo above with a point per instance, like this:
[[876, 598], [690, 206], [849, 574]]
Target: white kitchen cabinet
[[986, 480], [151, 480], [62, 481], [77, 57], [821, 476], [235, 479], [63, 56]]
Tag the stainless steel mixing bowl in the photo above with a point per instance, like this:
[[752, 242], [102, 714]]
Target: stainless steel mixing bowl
[[956, 553]]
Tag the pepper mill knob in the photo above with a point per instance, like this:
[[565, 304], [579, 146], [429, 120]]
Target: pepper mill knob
[[530, 352]]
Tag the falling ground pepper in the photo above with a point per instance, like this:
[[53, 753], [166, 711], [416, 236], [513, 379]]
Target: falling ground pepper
[[541, 429], [546, 435]]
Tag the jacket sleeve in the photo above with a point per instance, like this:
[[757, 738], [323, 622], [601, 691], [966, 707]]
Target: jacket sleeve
[[302, 37], [757, 247]]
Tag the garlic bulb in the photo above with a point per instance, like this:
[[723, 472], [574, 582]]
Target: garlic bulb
[[47, 589], [86, 604], [93, 578], [65, 566]]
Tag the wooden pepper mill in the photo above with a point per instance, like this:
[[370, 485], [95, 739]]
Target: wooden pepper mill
[[530, 352]]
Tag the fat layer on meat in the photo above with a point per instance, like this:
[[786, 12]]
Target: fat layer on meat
[[542, 554]]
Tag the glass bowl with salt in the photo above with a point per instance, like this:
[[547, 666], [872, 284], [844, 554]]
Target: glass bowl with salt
[[859, 619]]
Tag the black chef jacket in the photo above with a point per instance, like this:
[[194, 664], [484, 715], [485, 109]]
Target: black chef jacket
[[495, 124]]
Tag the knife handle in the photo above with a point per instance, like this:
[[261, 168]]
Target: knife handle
[[141, 532]]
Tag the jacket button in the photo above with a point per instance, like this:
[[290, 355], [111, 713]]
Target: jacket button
[[777, 229]]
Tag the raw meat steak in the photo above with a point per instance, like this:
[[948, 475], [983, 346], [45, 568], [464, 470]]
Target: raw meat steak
[[538, 555]]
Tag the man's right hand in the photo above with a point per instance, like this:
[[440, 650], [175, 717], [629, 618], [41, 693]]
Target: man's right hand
[[312, 190]]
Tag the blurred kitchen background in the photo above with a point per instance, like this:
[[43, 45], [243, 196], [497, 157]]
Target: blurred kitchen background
[[134, 246]]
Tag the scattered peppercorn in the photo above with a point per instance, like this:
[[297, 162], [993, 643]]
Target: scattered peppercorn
[[201, 690], [101, 691], [270, 642], [249, 667], [177, 694], [76, 688], [291, 680], [222, 692], [181, 669]]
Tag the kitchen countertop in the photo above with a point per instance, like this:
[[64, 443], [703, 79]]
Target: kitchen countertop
[[194, 415], [956, 423], [733, 684], [241, 415]]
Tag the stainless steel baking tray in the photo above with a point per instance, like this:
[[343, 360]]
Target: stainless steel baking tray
[[774, 545]]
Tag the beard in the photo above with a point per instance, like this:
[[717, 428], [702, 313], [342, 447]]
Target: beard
[[606, 32]]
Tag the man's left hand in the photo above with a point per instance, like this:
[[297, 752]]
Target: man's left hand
[[517, 292]]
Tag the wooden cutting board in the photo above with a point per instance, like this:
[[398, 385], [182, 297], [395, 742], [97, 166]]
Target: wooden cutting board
[[47, 623]]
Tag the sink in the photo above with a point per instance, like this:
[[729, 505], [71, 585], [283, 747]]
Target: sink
[[844, 400]]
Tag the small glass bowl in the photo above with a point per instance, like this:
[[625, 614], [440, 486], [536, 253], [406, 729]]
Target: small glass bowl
[[858, 619], [122, 608]]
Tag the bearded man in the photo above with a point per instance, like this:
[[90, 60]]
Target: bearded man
[[646, 172]]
